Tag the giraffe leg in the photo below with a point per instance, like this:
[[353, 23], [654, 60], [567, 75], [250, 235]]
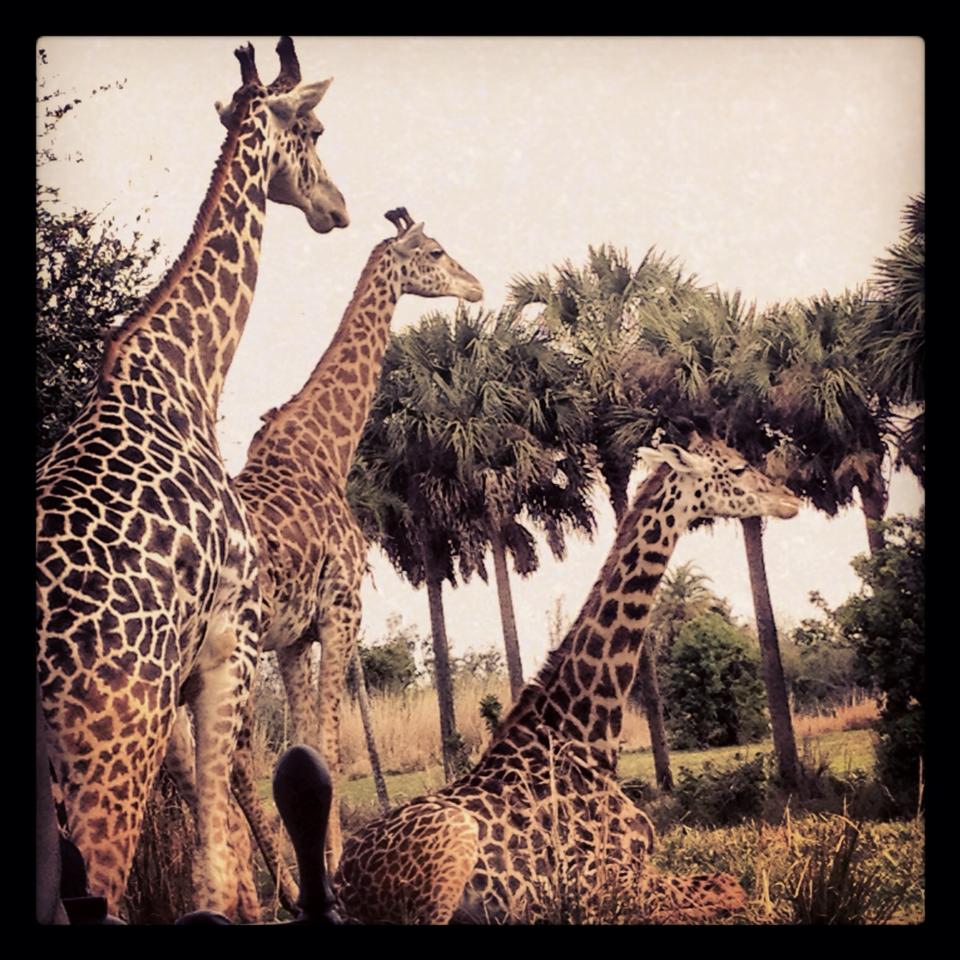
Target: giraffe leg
[[180, 763], [106, 740], [339, 625], [411, 866], [244, 790], [294, 664], [217, 694]]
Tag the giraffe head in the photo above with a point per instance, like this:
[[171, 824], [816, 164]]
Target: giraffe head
[[717, 482], [425, 268], [295, 173]]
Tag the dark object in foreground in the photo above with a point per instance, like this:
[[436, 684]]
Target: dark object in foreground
[[302, 791]]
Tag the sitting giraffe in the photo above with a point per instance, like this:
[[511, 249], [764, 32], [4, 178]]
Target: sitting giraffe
[[293, 487], [542, 815], [147, 573]]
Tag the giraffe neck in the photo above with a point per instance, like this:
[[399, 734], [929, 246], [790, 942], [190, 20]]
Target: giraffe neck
[[183, 337], [320, 426], [581, 691]]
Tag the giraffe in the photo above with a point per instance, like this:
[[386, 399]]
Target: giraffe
[[293, 487], [541, 814], [147, 574]]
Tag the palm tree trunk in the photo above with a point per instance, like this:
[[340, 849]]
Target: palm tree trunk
[[507, 619], [442, 674], [783, 740], [364, 702], [873, 500], [653, 708], [647, 678]]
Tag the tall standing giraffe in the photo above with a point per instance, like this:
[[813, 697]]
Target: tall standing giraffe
[[293, 486], [542, 814], [147, 574]]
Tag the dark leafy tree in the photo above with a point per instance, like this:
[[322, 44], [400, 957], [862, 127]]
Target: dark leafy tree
[[886, 625], [87, 279], [816, 392], [389, 666]]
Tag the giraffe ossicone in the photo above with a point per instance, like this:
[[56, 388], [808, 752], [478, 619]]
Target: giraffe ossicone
[[147, 580], [541, 816]]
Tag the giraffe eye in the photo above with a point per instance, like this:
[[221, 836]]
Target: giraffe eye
[[738, 471], [436, 254]]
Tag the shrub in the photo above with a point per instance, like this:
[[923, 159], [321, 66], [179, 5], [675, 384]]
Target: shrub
[[712, 692], [719, 796], [885, 623]]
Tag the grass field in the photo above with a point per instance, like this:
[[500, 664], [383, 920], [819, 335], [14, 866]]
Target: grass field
[[844, 751]]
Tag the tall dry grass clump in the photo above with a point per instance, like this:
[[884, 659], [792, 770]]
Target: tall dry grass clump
[[857, 715]]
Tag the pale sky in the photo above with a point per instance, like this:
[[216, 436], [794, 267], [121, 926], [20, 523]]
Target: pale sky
[[776, 166]]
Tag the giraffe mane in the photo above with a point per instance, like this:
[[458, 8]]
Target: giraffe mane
[[371, 264], [115, 338]]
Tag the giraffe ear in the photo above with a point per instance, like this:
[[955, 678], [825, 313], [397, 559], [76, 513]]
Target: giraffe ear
[[287, 107], [310, 94], [224, 111], [411, 241]]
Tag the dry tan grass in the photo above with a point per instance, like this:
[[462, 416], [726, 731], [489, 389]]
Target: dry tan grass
[[854, 716], [407, 727]]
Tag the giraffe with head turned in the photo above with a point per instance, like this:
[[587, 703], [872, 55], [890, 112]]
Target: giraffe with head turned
[[147, 574], [542, 811], [293, 487]]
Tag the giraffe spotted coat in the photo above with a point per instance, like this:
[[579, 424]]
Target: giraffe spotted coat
[[293, 486], [541, 820], [147, 580]]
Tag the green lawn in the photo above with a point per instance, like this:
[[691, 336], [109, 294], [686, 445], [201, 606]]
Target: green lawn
[[845, 751]]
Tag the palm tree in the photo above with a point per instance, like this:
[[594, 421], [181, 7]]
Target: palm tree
[[593, 313], [893, 340], [505, 425], [683, 595], [537, 467], [405, 486], [816, 391]]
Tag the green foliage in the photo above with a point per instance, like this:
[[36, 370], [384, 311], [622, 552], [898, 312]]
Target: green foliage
[[771, 861], [818, 668], [630, 333], [491, 709], [712, 691], [477, 419], [389, 666], [458, 752], [719, 796], [86, 278], [479, 664]]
